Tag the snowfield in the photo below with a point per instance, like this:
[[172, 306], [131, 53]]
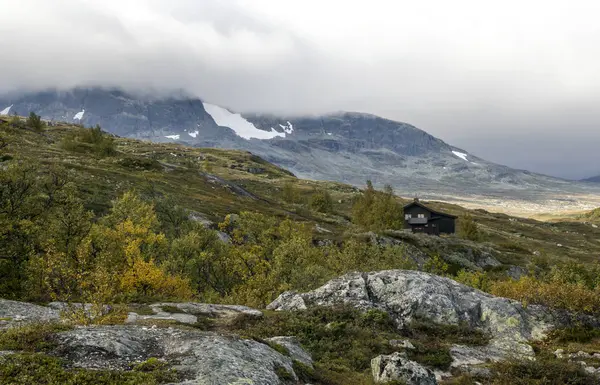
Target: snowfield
[[238, 124], [461, 155], [193, 134], [6, 110], [79, 115], [174, 137]]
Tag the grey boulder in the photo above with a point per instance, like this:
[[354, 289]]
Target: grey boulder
[[397, 367], [202, 357], [12, 312], [406, 294]]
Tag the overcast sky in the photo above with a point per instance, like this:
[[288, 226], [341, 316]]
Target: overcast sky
[[516, 82]]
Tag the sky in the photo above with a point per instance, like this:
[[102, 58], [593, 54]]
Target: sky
[[515, 82]]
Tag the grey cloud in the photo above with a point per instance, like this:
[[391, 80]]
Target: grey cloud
[[528, 100]]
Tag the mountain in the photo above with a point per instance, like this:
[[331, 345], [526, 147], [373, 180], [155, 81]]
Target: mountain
[[594, 179], [345, 146]]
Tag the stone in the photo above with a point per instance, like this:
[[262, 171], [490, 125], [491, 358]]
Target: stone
[[406, 294], [559, 353], [224, 237], [467, 356], [296, 352], [404, 344], [200, 218], [397, 367], [188, 312], [202, 357], [14, 312]]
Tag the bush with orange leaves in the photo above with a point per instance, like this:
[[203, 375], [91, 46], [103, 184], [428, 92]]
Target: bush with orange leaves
[[575, 297]]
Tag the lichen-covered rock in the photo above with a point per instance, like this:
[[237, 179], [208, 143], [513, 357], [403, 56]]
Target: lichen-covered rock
[[406, 294], [466, 356], [188, 312], [210, 310], [203, 357], [13, 312], [296, 352], [397, 367]]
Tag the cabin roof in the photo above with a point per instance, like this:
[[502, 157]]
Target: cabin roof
[[419, 204]]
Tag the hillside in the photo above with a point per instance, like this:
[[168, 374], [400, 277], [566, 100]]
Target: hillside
[[343, 147], [594, 179], [171, 226]]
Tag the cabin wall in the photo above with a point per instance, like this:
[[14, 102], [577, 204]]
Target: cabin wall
[[446, 225]]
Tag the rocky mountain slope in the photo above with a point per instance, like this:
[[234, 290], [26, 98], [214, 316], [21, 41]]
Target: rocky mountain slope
[[594, 179], [345, 147]]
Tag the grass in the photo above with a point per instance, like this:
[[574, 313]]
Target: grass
[[40, 369], [31, 337], [343, 340], [171, 309]]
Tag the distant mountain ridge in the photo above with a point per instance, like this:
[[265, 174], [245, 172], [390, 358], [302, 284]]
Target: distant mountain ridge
[[346, 147], [594, 179]]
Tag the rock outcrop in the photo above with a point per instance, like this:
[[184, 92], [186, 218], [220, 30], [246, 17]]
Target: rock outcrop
[[202, 357], [12, 312], [397, 367], [188, 312], [406, 294]]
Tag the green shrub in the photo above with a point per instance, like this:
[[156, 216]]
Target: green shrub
[[540, 371], [90, 140], [39, 369], [304, 372], [31, 337], [468, 229], [378, 210], [140, 163], [283, 374], [34, 122], [321, 201], [579, 333], [341, 340]]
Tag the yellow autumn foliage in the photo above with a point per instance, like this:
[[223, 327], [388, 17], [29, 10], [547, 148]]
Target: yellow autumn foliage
[[145, 281], [563, 295]]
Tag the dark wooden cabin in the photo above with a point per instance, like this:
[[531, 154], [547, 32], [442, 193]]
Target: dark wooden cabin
[[422, 219]]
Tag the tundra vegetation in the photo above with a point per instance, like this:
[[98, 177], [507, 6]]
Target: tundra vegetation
[[87, 217]]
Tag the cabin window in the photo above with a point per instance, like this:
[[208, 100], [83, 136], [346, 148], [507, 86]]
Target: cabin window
[[407, 216], [421, 215]]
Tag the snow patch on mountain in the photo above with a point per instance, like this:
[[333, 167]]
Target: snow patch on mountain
[[461, 155], [79, 115], [174, 137], [6, 110], [288, 129], [193, 134], [238, 124]]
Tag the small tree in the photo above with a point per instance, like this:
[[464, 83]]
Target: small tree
[[468, 229], [34, 122], [378, 210], [321, 201], [290, 193]]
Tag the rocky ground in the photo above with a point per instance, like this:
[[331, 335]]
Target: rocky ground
[[173, 332]]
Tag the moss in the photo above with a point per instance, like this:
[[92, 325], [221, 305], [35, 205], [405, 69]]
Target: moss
[[304, 372], [342, 340], [283, 374], [39, 369], [541, 371], [31, 337], [278, 348], [171, 309]]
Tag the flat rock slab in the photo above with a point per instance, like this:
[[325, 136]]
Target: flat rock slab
[[203, 357], [188, 312], [12, 312]]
